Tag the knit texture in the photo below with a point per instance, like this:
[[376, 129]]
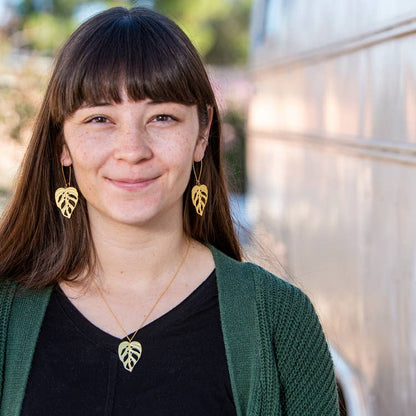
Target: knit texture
[[7, 290], [277, 355], [25, 320], [299, 349]]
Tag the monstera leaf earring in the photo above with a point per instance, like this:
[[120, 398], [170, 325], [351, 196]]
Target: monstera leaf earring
[[66, 198], [199, 193]]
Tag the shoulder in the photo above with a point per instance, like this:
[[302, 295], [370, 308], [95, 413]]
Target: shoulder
[[7, 291], [277, 296], [16, 299], [284, 306], [269, 312]]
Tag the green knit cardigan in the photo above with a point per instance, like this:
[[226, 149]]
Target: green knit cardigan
[[277, 355]]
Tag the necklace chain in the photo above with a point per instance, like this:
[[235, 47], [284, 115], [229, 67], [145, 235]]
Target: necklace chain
[[130, 352]]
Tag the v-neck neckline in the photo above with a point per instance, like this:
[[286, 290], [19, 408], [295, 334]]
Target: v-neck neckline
[[104, 339]]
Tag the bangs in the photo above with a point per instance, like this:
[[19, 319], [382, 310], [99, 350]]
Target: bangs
[[131, 51]]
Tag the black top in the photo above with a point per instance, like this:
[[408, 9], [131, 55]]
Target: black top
[[182, 371]]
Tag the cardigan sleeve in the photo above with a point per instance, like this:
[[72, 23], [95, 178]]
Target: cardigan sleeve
[[307, 380]]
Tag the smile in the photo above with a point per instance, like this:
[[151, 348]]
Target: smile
[[132, 184]]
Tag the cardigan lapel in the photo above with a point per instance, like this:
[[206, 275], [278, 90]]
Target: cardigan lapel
[[239, 321], [7, 291], [28, 310]]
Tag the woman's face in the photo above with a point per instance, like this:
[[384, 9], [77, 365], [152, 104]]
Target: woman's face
[[132, 160]]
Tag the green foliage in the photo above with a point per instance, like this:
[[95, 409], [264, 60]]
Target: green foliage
[[57, 8], [45, 25], [218, 28], [45, 32]]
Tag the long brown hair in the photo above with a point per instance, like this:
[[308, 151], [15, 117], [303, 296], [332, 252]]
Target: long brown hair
[[150, 57]]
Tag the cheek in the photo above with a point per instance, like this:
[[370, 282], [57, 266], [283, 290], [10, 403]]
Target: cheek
[[85, 152], [179, 155], [83, 162], [86, 162]]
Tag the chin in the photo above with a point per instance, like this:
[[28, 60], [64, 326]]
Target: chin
[[138, 215], [141, 217], [136, 219]]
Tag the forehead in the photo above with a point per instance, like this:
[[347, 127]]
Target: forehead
[[128, 57]]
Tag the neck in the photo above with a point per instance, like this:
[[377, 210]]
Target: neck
[[135, 256]]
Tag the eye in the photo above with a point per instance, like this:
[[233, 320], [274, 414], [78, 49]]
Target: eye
[[164, 118], [97, 119]]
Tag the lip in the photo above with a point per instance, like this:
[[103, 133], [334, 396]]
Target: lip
[[132, 183]]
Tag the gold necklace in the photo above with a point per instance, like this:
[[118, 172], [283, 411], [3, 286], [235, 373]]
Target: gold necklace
[[130, 351]]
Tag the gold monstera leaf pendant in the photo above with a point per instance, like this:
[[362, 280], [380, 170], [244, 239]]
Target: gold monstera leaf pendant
[[199, 195], [129, 354], [66, 199]]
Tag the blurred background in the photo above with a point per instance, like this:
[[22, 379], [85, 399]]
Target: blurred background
[[331, 157], [318, 100]]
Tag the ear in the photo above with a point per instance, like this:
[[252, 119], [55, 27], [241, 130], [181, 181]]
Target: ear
[[65, 158], [203, 139]]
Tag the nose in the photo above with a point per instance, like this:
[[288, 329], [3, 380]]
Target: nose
[[132, 145]]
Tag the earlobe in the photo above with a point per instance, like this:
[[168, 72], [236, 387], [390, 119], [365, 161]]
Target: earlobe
[[200, 149], [65, 158]]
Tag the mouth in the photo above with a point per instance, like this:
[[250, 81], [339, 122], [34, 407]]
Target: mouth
[[132, 183]]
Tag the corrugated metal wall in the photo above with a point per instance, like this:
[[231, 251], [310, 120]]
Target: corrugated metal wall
[[332, 176]]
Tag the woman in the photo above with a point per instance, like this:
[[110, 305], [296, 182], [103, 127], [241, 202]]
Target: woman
[[122, 284]]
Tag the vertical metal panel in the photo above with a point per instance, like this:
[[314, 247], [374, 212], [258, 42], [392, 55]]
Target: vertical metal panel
[[332, 172]]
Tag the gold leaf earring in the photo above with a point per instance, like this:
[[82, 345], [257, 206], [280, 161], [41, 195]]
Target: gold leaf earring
[[66, 198], [199, 193]]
